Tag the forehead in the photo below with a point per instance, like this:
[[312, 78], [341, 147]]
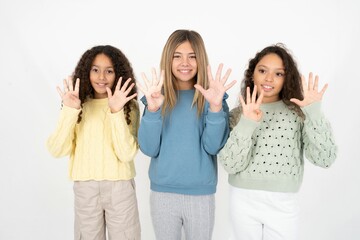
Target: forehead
[[271, 60], [102, 60], [184, 47]]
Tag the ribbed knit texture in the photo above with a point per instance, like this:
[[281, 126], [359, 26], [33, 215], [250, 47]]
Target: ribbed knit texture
[[183, 146], [101, 147], [268, 155]]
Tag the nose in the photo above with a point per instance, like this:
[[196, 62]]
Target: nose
[[185, 62], [269, 77], [102, 75]]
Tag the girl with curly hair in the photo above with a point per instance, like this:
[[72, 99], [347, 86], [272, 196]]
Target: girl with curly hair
[[278, 120], [97, 128]]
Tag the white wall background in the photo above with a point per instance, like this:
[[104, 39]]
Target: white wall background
[[41, 42]]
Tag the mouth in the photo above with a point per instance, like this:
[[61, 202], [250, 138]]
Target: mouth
[[267, 88]]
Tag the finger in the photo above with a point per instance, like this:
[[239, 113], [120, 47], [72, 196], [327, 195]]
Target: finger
[[70, 83], [254, 93], [66, 88], [131, 97], [324, 89], [129, 89], [141, 88], [200, 88], [296, 101], [124, 87], [154, 76], [162, 77], [304, 84], [226, 76], [108, 90], [210, 76], [260, 98], [60, 92], [316, 83], [243, 104], [247, 95], [310, 84], [77, 86], [218, 72], [146, 81], [118, 84], [227, 87]]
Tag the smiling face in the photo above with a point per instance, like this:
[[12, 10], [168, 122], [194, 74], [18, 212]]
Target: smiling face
[[184, 66], [102, 75], [269, 76]]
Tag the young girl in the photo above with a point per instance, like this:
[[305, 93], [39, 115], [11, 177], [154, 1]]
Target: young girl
[[98, 128], [182, 129], [271, 130]]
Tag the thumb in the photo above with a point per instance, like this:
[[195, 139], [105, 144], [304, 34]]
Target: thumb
[[296, 101], [200, 88]]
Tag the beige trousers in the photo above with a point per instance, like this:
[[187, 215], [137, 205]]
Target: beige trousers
[[106, 205]]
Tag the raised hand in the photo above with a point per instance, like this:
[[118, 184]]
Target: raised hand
[[152, 90], [251, 108], [215, 93], [120, 97], [311, 93], [70, 95]]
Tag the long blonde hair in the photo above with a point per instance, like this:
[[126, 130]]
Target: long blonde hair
[[170, 92]]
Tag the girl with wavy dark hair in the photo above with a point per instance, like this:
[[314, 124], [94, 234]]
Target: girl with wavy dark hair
[[279, 119], [98, 127]]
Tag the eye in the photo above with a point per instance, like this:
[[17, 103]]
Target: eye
[[110, 71], [177, 56], [95, 70], [261, 70], [192, 57], [280, 74]]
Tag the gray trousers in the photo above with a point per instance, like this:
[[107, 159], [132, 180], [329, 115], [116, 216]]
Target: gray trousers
[[171, 212]]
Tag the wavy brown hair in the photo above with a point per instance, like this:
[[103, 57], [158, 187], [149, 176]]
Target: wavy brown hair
[[170, 92], [292, 87], [122, 68]]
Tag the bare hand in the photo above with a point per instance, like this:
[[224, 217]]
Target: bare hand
[[70, 95], [215, 93], [152, 90], [311, 93], [251, 109], [120, 97]]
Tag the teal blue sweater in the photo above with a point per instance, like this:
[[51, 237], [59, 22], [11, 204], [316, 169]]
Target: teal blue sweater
[[183, 146], [269, 155]]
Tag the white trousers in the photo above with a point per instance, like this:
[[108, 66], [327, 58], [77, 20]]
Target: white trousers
[[263, 215]]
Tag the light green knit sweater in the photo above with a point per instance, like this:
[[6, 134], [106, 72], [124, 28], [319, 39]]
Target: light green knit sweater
[[269, 155]]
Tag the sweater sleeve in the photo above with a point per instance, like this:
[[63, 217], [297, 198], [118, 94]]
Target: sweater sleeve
[[124, 139], [216, 130], [150, 132], [235, 155], [61, 142], [319, 144]]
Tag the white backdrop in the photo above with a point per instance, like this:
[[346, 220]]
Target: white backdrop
[[41, 42]]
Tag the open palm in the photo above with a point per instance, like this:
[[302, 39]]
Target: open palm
[[251, 108], [70, 94], [311, 93], [120, 97], [215, 93], [152, 90]]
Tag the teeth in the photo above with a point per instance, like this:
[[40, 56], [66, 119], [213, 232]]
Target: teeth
[[267, 87], [184, 71]]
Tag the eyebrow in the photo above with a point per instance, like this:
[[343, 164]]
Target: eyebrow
[[99, 66], [275, 68], [184, 53]]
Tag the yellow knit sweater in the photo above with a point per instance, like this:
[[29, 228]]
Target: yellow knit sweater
[[102, 146]]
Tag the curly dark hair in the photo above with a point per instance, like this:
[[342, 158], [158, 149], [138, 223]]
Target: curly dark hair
[[292, 87], [122, 68]]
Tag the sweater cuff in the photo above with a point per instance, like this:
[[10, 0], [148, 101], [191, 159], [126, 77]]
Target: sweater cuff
[[215, 116], [313, 111], [152, 116], [246, 126], [70, 111]]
